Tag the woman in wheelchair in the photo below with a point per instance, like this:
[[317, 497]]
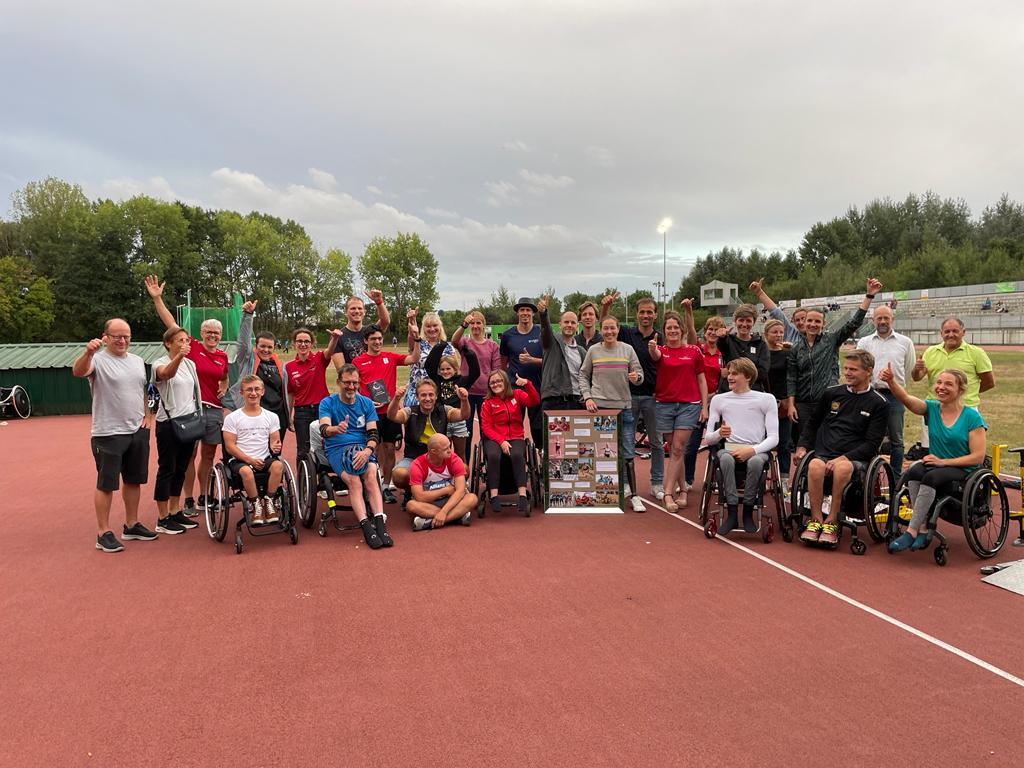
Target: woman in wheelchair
[[252, 440], [748, 422], [957, 444], [501, 422]]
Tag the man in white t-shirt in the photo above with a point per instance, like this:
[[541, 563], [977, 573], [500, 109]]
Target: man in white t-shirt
[[252, 438], [437, 480], [120, 429], [748, 422]]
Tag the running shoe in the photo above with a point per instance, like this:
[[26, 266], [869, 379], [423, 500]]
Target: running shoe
[[829, 534], [389, 495], [270, 512], [138, 532], [169, 525], [180, 518], [466, 519], [256, 512], [370, 533], [638, 504], [658, 491], [421, 524], [379, 523], [812, 533], [189, 507], [108, 543]]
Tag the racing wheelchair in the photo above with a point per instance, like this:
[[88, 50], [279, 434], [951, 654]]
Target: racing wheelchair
[[977, 503], [14, 401], [712, 497], [506, 485], [317, 479], [224, 489], [865, 502]]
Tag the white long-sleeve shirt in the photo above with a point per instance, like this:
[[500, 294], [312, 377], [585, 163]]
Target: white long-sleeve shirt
[[752, 416]]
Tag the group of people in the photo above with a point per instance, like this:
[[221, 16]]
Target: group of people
[[746, 393]]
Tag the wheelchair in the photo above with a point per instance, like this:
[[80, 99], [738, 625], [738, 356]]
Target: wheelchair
[[977, 503], [865, 502], [769, 487], [316, 476], [14, 401], [506, 485], [224, 489]]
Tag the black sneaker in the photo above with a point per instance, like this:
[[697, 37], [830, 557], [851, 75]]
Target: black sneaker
[[182, 519], [370, 533], [169, 525], [138, 532], [523, 504], [466, 519], [730, 521], [379, 523], [201, 503], [495, 504], [108, 543], [748, 519], [389, 496], [189, 509]]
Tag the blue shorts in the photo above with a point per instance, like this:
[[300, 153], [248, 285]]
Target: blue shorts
[[672, 416]]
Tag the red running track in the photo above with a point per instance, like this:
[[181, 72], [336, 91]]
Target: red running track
[[551, 641]]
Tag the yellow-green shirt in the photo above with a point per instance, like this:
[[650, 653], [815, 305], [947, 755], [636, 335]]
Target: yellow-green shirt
[[428, 431], [968, 358]]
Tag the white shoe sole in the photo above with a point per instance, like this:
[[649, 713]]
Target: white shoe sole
[[101, 548], [133, 537], [168, 531]]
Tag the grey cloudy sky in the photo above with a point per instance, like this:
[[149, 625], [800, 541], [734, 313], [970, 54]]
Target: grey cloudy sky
[[530, 143]]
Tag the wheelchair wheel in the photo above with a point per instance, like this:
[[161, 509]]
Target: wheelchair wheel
[[293, 535], [239, 546], [289, 496], [216, 513], [477, 478], [533, 468], [878, 485], [19, 400], [799, 498], [706, 491], [986, 513], [773, 490], [306, 483]]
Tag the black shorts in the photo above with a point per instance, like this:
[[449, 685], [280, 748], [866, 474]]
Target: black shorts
[[121, 457], [213, 418], [261, 475], [390, 431]]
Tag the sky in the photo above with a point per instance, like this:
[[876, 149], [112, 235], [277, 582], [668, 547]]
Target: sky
[[528, 143]]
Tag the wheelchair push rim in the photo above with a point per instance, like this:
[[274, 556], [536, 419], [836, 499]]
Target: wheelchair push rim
[[986, 514], [216, 514]]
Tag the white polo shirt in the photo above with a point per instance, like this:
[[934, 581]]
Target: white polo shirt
[[897, 350]]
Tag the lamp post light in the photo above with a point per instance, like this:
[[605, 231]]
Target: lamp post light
[[663, 228]]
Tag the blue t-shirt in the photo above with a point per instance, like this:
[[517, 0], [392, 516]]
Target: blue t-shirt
[[513, 343], [360, 413], [951, 442]]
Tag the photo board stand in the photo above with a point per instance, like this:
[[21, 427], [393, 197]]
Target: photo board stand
[[582, 465]]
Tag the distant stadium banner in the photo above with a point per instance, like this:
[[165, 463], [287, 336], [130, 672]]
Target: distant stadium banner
[[1006, 287], [901, 295], [787, 304], [582, 471]]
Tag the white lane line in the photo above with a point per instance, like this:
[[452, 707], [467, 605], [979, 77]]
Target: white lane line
[[856, 603]]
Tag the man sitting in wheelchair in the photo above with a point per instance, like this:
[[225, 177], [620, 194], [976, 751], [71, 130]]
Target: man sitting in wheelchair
[[957, 447], [846, 429], [252, 441], [348, 425], [748, 423]]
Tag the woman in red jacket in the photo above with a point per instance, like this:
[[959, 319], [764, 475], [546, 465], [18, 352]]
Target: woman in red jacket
[[501, 421]]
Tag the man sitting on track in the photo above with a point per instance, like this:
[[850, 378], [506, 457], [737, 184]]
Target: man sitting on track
[[437, 480], [748, 422], [252, 442], [348, 425], [847, 426]]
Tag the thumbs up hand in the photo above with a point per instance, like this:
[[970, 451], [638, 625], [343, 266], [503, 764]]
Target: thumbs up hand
[[652, 344], [919, 367], [886, 374], [725, 431]]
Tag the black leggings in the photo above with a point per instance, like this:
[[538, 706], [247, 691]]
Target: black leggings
[[304, 416], [517, 454], [173, 458], [922, 482]]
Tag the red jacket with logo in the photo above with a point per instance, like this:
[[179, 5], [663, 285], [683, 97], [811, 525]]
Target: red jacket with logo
[[502, 418]]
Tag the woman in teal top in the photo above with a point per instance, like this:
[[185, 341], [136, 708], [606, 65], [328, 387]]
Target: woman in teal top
[[956, 435]]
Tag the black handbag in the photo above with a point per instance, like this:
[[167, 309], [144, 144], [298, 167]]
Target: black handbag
[[190, 427]]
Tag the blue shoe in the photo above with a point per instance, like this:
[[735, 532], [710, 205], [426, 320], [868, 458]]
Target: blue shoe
[[901, 543], [922, 541]]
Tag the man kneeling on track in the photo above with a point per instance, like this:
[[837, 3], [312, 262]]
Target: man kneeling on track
[[748, 422], [252, 439], [437, 480], [847, 425], [348, 425]]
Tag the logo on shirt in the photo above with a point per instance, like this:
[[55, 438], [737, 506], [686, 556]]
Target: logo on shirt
[[835, 406]]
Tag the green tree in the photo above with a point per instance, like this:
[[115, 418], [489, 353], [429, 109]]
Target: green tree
[[26, 302], [403, 268]]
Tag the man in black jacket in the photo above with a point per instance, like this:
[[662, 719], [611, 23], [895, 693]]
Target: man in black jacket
[[847, 427]]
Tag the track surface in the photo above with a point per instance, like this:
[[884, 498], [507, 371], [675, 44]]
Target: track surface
[[554, 641]]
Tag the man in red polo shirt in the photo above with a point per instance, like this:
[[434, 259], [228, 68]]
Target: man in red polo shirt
[[307, 383], [378, 374]]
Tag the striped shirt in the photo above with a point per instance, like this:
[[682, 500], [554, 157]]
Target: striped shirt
[[604, 375]]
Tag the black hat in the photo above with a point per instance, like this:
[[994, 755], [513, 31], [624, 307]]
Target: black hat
[[525, 301]]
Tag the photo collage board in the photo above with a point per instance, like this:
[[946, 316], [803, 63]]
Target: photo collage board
[[582, 472]]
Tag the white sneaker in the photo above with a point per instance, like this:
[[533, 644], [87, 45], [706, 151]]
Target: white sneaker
[[322, 494], [658, 491], [626, 490], [638, 504], [686, 487]]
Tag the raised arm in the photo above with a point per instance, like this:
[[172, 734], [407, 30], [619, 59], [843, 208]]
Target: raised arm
[[155, 289], [473, 365], [383, 318], [913, 404], [546, 338], [170, 369], [82, 366], [333, 343], [691, 329], [606, 305], [433, 362], [396, 412], [456, 339], [243, 346], [414, 331]]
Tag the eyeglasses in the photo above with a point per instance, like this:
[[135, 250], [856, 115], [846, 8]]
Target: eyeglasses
[[302, 341], [350, 383], [118, 337]]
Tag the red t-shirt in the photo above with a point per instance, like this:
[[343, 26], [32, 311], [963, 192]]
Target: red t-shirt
[[378, 376], [211, 368], [423, 473], [712, 368], [306, 379], [678, 370]]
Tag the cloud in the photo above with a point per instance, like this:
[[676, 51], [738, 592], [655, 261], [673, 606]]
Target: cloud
[[516, 146], [441, 213], [541, 183], [124, 188], [322, 179], [502, 194], [374, 190], [600, 156]]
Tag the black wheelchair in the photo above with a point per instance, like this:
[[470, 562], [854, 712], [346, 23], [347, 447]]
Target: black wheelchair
[[712, 497], [224, 489], [865, 502], [506, 484], [977, 503], [316, 480], [14, 401]]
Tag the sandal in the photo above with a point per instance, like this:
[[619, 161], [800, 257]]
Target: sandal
[[670, 503]]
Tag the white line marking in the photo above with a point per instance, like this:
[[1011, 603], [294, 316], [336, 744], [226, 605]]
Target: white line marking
[[856, 603]]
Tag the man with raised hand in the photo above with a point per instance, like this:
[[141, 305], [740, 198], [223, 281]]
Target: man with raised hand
[[437, 480], [896, 351], [120, 430], [563, 357], [642, 394], [352, 344]]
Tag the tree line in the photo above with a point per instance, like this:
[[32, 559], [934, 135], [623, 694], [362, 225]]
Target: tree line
[[68, 263]]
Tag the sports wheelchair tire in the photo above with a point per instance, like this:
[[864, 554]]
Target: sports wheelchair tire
[[217, 513], [878, 487], [985, 523], [307, 489], [17, 399]]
